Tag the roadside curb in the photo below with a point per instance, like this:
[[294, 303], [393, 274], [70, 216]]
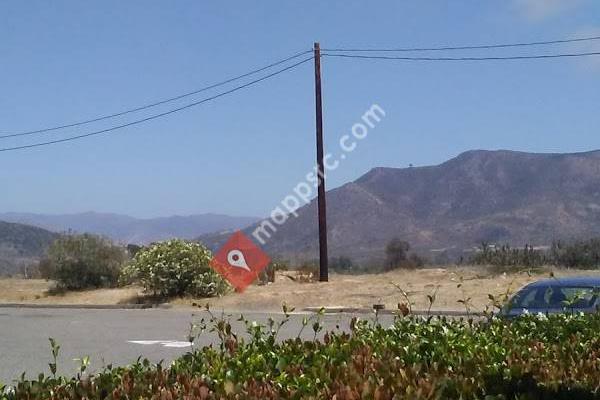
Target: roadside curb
[[87, 306], [358, 310]]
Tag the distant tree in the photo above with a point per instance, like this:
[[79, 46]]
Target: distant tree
[[396, 253], [83, 261]]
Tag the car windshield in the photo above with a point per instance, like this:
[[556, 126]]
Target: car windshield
[[556, 297]]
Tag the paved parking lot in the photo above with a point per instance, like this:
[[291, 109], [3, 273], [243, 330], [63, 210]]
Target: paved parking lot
[[108, 336]]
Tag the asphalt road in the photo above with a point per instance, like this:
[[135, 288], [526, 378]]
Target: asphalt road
[[115, 337]]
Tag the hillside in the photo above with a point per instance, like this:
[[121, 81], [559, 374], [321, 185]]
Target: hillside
[[20, 245], [447, 209], [127, 229]]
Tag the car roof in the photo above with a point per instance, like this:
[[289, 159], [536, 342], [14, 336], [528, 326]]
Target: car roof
[[568, 281]]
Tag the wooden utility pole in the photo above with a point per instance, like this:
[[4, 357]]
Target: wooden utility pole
[[323, 258]]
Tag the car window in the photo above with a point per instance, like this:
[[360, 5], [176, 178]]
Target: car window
[[527, 300], [556, 297], [580, 297]]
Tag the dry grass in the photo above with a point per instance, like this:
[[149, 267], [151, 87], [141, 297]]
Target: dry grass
[[365, 290], [20, 290], [39, 291], [343, 290]]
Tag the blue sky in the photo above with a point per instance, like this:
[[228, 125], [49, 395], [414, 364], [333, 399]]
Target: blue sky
[[63, 61]]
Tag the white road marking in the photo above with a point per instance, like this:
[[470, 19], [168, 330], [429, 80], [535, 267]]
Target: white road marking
[[147, 342], [164, 343], [177, 344]]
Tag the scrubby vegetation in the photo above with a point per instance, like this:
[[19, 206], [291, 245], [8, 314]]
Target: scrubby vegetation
[[267, 275], [508, 257], [175, 268], [577, 254], [83, 261], [533, 357]]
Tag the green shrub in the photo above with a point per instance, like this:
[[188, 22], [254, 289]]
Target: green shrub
[[533, 357], [175, 268], [83, 261]]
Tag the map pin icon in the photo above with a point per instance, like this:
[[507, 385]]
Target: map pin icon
[[236, 259]]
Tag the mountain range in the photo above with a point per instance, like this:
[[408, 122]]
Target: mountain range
[[448, 209], [126, 229], [443, 211]]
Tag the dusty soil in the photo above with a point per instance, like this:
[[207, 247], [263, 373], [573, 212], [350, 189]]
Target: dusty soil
[[449, 285]]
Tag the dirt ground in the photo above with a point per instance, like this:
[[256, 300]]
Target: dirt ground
[[342, 291]]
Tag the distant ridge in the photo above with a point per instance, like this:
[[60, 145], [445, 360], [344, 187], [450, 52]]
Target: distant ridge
[[127, 229], [444, 210], [21, 245]]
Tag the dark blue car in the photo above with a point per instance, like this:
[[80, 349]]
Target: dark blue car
[[556, 295]]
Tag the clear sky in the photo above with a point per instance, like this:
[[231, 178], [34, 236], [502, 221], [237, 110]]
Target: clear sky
[[63, 61]]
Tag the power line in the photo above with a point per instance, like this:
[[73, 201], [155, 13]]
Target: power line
[[494, 58], [155, 104], [287, 59], [147, 106], [152, 117], [469, 47]]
